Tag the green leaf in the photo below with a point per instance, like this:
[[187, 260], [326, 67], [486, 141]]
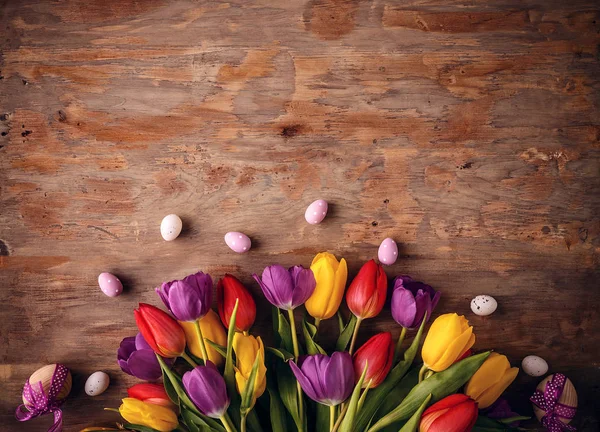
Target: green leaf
[[322, 417], [340, 319], [177, 385], [346, 334], [486, 424], [309, 332], [439, 386], [204, 423], [397, 395], [286, 384], [277, 411], [247, 397], [218, 348], [348, 421], [378, 395], [283, 330], [413, 423], [229, 373], [281, 353], [171, 392]]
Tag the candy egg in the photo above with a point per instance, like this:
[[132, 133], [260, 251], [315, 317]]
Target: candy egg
[[110, 284], [484, 305], [238, 242], [566, 407], [46, 377], [316, 212], [534, 366], [388, 251], [170, 227], [97, 383]]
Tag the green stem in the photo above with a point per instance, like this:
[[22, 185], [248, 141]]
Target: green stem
[[338, 422], [428, 374], [331, 417], [180, 392], [201, 340], [399, 344], [243, 423], [424, 369], [113, 410], [354, 334], [226, 423], [317, 323], [296, 355], [188, 359]]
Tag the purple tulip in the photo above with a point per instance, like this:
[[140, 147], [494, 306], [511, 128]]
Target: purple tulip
[[286, 289], [206, 388], [326, 380], [188, 299], [135, 357], [501, 410], [410, 301]]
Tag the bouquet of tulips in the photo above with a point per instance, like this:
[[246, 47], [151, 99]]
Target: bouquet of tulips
[[229, 382]]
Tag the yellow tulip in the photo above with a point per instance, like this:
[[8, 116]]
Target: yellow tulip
[[331, 278], [449, 337], [246, 349], [212, 329], [490, 380], [141, 413]]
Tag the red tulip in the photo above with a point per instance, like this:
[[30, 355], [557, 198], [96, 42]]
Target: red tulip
[[455, 413], [161, 332], [378, 354], [150, 393], [366, 294], [229, 289]]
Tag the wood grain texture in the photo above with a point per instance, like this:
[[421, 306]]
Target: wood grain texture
[[467, 131]]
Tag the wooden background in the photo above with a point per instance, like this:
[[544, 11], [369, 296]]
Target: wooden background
[[467, 131]]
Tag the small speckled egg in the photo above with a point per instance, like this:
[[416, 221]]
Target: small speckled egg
[[110, 284], [388, 251], [238, 242], [97, 383], [534, 366], [484, 305], [170, 227], [316, 212]]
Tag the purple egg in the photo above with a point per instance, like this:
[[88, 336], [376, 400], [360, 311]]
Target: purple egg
[[110, 284], [316, 212], [388, 252], [238, 242]]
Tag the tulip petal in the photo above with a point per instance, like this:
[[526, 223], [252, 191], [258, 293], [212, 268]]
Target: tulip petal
[[459, 418], [487, 375], [423, 303], [444, 329], [447, 402], [206, 387], [489, 396], [339, 377], [318, 303], [456, 348], [185, 302], [278, 283], [404, 307], [143, 365], [304, 284], [126, 347], [140, 342], [305, 382], [145, 391]]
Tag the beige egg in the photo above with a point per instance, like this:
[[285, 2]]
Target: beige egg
[[97, 383], [44, 375], [568, 398]]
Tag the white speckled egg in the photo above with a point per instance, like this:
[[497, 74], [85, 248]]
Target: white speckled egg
[[388, 251], [238, 242], [534, 366], [97, 383], [484, 305], [170, 227], [316, 212], [110, 284]]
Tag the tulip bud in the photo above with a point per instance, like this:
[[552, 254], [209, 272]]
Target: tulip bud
[[490, 380], [161, 332], [207, 390], [449, 337], [141, 413], [411, 300], [188, 299], [213, 330], [366, 294], [151, 393], [286, 289], [378, 354], [330, 276], [246, 349], [135, 357], [456, 413], [229, 289]]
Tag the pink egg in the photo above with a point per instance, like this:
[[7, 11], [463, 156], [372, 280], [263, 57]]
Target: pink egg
[[388, 252], [316, 212], [110, 284], [238, 242]]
